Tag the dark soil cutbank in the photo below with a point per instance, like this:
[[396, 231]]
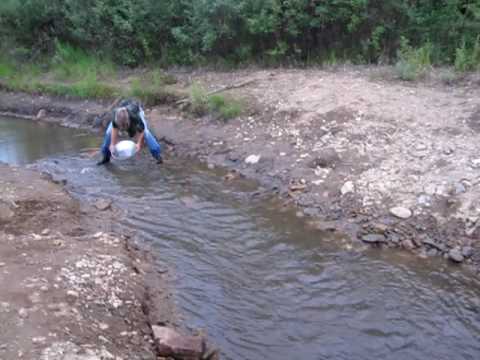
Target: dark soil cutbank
[[368, 157]]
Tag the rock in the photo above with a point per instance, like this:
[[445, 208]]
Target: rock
[[348, 187], [45, 232], [328, 226], [252, 159], [38, 340], [401, 212], [455, 255], [408, 244], [374, 239], [459, 188], [467, 251], [327, 159], [424, 200], [475, 163], [59, 179], [41, 114], [103, 204], [211, 166], [448, 150], [72, 294], [23, 313], [170, 343], [433, 244], [432, 252], [379, 228], [5, 212]]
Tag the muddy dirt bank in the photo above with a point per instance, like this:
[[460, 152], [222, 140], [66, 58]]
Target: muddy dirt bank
[[72, 288], [393, 164]]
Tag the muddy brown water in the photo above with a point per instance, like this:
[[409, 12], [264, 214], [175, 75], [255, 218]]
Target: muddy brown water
[[260, 283]]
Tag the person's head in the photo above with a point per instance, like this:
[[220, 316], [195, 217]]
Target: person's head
[[122, 119]]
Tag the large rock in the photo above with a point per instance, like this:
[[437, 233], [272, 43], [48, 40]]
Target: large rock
[[374, 238], [401, 212], [347, 188], [456, 256], [103, 204], [170, 343]]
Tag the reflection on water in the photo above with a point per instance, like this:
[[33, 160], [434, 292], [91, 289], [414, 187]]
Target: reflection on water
[[23, 141], [265, 288]]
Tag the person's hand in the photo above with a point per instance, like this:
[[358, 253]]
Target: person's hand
[[112, 149], [138, 147]]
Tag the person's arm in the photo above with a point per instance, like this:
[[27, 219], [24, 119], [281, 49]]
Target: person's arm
[[140, 141], [114, 140]]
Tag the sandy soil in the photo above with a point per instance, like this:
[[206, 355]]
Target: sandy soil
[[391, 163], [71, 289]]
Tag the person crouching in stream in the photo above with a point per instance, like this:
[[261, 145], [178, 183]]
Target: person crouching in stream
[[129, 117]]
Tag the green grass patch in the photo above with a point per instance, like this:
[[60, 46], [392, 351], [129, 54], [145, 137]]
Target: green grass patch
[[468, 58], [71, 64], [225, 107], [413, 63], [151, 88], [221, 106]]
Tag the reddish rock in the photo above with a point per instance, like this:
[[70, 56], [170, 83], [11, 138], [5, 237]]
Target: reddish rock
[[171, 343]]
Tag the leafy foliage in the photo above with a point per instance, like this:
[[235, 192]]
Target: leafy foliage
[[275, 31]]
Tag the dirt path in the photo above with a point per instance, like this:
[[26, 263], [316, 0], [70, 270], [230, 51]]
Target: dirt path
[[71, 289]]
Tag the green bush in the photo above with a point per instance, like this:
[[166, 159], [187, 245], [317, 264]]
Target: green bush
[[172, 32], [467, 59], [224, 107], [198, 100], [413, 62]]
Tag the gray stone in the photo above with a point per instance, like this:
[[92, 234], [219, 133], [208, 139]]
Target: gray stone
[[459, 188], [467, 251], [328, 226], [170, 343], [401, 212], [374, 239], [23, 313], [41, 114], [59, 179], [408, 244], [5, 212], [432, 252], [327, 159], [103, 204], [433, 244], [455, 255], [348, 187]]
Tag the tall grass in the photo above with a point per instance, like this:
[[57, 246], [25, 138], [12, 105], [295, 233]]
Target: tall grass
[[70, 63], [413, 62], [221, 106]]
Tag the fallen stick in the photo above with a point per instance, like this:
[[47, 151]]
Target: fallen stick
[[17, 115], [222, 89]]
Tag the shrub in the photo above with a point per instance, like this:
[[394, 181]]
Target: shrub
[[413, 62], [467, 59]]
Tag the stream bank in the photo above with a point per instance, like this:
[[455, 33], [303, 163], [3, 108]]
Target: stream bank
[[71, 287]]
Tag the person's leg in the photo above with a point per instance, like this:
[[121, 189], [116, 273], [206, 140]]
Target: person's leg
[[153, 145], [150, 140], [105, 149]]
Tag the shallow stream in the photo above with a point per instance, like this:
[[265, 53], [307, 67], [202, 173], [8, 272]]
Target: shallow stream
[[260, 283]]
